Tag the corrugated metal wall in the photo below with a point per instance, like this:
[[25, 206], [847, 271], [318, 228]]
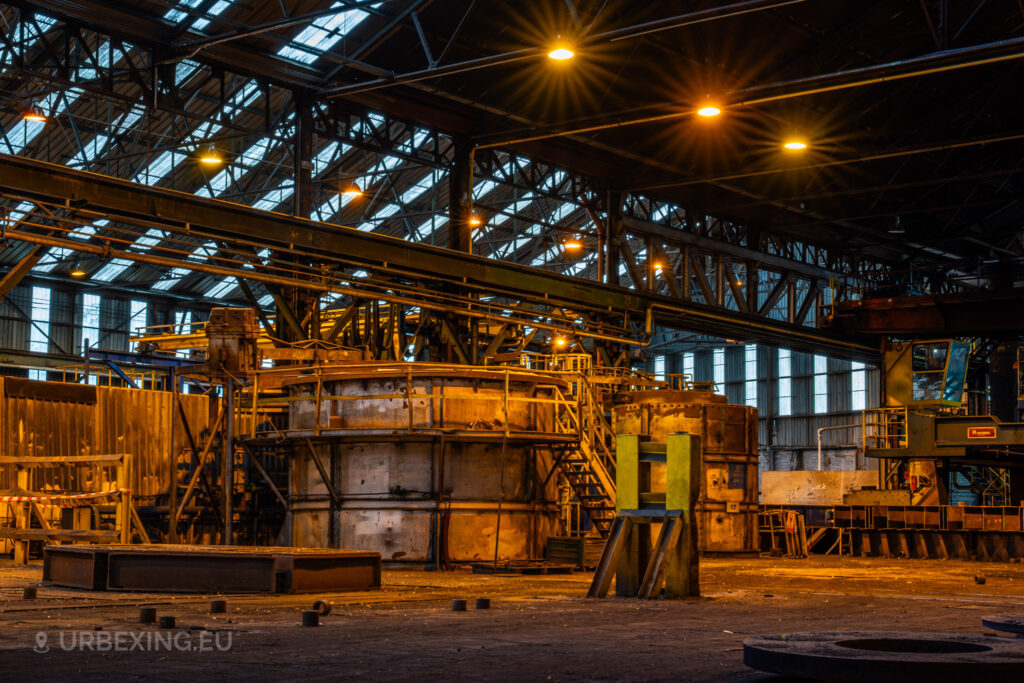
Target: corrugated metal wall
[[790, 442], [13, 325], [35, 421]]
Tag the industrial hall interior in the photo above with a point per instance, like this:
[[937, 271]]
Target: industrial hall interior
[[558, 340]]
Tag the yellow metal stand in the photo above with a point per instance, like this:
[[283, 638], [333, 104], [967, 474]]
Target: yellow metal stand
[[640, 568]]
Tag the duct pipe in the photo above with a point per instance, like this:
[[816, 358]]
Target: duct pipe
[[826, 429]]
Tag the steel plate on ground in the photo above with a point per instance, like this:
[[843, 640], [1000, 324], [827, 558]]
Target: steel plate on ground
[[311, 571], [191, 572], [887, 656], [75, 566]]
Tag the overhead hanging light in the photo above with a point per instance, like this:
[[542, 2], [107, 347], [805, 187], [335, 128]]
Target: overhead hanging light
[[572, 244], [561, 51], [32, 112], [795, 145], [351, 190], [709, 111], [209, 156], [475, 221], [561, 341], [78, 271]]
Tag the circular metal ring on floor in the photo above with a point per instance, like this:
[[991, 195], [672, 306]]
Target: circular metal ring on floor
[[887, 656], [1008, 623]]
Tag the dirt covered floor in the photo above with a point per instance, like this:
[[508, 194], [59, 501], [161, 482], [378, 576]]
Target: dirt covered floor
[[539, 628]]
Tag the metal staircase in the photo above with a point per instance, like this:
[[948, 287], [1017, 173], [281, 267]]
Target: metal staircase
[[590, 467]]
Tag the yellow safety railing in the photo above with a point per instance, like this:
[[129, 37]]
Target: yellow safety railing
[[884, 428], [263, 406], [105, 376]]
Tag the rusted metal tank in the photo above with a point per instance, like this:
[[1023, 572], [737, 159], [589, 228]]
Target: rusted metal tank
[[727, 512], [426, 463]]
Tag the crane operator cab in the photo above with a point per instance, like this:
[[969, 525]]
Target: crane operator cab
[[926, 374]]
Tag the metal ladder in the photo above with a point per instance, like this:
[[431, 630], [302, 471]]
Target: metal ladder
[[590, 467]]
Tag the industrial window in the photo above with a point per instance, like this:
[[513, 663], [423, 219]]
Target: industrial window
[[38, 336], [659, 367], [785, 383], [820, 384], [138, 314], [858, 390], [719, 370], [688, 366], [90, 320], [321, 36], [751, 374]]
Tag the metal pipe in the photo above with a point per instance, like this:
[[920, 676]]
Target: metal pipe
[[826, 429], [76, 245]]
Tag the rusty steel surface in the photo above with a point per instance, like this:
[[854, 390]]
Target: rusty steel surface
[[75, 566], [57, 419], [476, 483], [189, 572], [213, 569], [1007, 623], [887, 656], [326, 572], [728, 507], [404, 398]]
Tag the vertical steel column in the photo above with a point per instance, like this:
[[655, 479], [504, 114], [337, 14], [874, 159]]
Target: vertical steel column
[[460, 232], [613, 234], [228, 464], [172, 491], [299, 302]]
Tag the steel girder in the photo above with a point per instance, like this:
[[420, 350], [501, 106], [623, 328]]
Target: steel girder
[[389, 258]]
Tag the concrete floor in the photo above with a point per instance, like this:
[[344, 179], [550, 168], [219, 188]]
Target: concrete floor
[[540, 628]]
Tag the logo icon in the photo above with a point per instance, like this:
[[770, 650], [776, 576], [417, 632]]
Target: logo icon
[[41, 647]]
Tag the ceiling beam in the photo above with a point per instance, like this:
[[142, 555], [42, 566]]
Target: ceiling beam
[[187, 214]]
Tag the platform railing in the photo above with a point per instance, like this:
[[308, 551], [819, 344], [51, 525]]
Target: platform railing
[[261, 406], [884, 428]]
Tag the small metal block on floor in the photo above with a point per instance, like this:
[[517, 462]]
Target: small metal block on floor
[[218, 606], [322, 607], [1007, 623], [886, 656], [28, 593], [310, 617], [166, 622], [483, 603], [147, 615], [458, 605]]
